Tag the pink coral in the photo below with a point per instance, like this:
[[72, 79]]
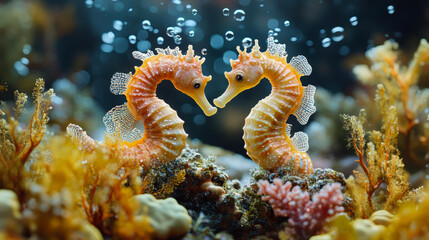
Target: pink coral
[[306, 216]]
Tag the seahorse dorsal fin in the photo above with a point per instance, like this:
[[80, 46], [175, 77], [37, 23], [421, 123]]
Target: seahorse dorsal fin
[[119, 83], [300, 141], [306, 107], [288, 129], [301, 65], [142, 56], [120, 121]]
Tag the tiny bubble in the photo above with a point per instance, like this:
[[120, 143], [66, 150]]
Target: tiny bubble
[[160, 40], [225, 12], [204, 51], [287, 23], [391, 9], [247, 42], [180, 22], [170, 31], [132, 39], [146, 24], [191, 33], [239, 15], [229, 35], [194, 11]]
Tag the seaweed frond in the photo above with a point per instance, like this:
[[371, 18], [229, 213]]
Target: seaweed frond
[[18, 141], [378, 157], [402, 85]]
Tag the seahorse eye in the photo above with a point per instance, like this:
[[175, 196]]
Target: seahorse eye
[[239, 77], [197, 85]]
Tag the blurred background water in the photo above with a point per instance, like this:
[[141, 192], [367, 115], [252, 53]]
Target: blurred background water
[[77, 45]]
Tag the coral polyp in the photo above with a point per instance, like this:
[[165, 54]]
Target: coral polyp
[[164, 136], [266, 135]]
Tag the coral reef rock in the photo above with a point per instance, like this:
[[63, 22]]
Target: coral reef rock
[[167, 217]]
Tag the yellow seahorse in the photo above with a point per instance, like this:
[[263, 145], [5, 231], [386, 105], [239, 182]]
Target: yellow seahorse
[[164, 136], [266, 134]]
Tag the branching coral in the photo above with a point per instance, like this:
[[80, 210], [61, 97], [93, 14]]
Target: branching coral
[[401, 83], [378, 158], [306, 216]]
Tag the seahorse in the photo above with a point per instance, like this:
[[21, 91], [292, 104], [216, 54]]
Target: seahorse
[[266, 134], [164, 137]]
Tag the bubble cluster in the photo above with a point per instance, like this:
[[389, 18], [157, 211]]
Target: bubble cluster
[[239, 15]]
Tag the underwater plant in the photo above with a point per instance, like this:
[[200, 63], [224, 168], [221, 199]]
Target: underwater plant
[[266, 135], [164, 136], [379, 159], [17, 141], [306, 216], [404, 87]]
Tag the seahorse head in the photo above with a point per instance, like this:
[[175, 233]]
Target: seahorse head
[[190, 80], [246, 73]]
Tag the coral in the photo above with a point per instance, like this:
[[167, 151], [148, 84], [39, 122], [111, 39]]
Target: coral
[[402, 86], [378, 158], [167, 217], [17, 141], [266, 136], [411, 221], [9, 213], [305, 216]]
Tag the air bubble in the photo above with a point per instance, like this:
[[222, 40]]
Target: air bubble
[[108, 37], [326, 42], [204, 51], [239, 15], [177, 39], [191, 33], [117, 25], [247, 42], [194, 11], [293, 39], [229, 35], [132, 39], [391, 9], [353, 21], [225, 12], [170, 31], [270, 33], [160, 40], [287, 23], [337, 33], [89, 3], [146, 24], [180, 22]]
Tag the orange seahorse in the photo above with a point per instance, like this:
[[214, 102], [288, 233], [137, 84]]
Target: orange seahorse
[[266, 134], [164, 136]]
